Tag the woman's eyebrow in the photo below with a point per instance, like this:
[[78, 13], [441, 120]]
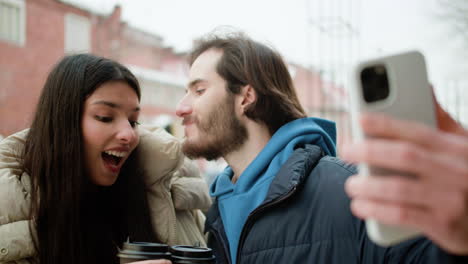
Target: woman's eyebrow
[[113, 105]]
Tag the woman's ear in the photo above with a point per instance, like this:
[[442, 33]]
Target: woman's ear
[[249, 96]]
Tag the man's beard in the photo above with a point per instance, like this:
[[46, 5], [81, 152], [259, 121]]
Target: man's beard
[[221, 133]]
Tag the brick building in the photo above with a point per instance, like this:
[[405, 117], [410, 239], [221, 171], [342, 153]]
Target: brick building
[[35, 34]]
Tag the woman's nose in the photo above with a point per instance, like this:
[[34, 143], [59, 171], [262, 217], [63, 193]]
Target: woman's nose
[[127, 133]]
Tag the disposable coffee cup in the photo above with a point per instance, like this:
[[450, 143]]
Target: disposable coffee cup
[[138, 251], [192, 255]]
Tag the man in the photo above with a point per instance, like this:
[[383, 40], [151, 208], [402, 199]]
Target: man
[[282, 198]]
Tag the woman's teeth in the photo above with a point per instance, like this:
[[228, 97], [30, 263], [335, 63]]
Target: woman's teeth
[[116, 153]]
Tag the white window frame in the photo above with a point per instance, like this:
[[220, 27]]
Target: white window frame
[[20, 4], [68, 46]]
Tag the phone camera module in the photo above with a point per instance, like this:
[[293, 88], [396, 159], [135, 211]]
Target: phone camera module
[[375, 84]]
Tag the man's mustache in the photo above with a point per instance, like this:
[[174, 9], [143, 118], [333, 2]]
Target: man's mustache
[[189, 119]]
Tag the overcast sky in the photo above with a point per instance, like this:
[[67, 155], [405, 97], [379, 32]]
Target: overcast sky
[[385, 26]]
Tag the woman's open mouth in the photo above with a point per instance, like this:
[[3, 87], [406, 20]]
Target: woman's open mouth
[[113, 159]]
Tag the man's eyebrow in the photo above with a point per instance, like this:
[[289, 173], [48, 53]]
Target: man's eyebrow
[[195, 82], [113, 105]]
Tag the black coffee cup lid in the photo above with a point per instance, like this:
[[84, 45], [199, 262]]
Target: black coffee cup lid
[[145, 247], [191, 252], [143, 256]]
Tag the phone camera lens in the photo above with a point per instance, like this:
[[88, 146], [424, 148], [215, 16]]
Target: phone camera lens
[[375, 84]]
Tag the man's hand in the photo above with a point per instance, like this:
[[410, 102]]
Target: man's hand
[[435, 201]]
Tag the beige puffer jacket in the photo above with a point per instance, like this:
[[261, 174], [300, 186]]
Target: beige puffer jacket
[[176, 194]]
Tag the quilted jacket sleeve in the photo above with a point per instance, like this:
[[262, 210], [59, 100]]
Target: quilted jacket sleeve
[[167, 167], [189, 189], [176, 191], [16, 244]]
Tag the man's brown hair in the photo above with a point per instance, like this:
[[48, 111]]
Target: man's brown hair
[[248, 62]]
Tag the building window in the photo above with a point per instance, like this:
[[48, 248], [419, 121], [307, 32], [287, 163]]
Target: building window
[[12, 21], [77, 34]]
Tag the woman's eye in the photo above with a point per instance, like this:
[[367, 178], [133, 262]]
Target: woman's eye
[[199, 91], [104, 119], [134, 123]]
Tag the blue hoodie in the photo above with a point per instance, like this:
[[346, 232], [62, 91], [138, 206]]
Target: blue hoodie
[[237, 201]]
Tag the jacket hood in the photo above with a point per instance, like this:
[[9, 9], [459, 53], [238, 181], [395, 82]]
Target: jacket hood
[[297, 133]]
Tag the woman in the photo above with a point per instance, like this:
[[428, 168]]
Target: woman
[[84, 178]]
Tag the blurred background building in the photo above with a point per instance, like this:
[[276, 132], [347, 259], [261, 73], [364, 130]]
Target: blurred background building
[[35, 34]]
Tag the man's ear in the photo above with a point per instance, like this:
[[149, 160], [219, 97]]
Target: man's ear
[[249, 96]]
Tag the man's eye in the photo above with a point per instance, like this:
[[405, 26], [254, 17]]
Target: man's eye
[[104, 119], [134, 123], [199, 91]]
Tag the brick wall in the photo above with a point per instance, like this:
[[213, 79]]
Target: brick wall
[[24, 69]]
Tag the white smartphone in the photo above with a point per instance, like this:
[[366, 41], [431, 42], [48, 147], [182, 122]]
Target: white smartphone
[[397, 86]]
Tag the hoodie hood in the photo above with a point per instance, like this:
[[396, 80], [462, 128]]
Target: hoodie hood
[[297, 133]]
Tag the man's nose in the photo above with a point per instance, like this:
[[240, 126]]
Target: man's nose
[[184, 107]]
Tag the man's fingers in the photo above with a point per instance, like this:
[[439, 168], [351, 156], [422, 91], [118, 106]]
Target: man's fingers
[[389, 188], [422, 218], [405, 191], [446, 227], [380, 125], [442, 169], [434, 198], [376, 124], [390, 213]]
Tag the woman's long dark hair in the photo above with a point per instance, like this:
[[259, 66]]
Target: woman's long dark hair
[[75, 221]]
